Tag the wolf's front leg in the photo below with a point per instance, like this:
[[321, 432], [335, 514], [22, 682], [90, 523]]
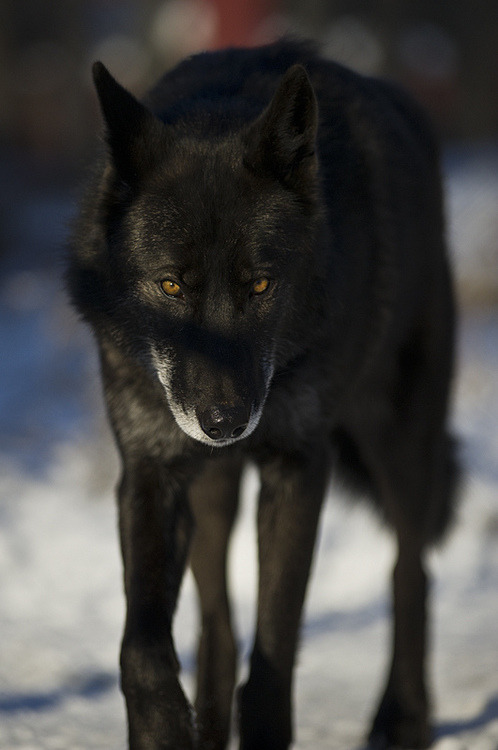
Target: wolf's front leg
[[155, 529], [292, 490]]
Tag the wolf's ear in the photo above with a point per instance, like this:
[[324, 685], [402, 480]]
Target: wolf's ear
[[282, 140], [137, 139]]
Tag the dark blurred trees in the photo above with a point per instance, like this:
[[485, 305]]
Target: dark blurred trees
[[446, 51]]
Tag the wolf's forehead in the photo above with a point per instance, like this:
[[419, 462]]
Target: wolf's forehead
[[229, 218]]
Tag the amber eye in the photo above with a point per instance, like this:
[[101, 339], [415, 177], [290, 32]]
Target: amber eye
[[260, 285], [171, 288]]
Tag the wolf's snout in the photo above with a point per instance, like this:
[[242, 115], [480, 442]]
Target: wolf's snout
[[223, 422]]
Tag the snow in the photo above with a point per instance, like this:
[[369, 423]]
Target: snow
[[61, 606]]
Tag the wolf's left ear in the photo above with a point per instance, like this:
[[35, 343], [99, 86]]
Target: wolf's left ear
[[137, 139], [282, 140]]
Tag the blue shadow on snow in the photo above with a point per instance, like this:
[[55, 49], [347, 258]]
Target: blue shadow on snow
[[93, 686], [488, 714]]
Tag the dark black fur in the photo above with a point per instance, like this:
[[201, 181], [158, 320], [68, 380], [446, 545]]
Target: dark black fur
[[266, 164]]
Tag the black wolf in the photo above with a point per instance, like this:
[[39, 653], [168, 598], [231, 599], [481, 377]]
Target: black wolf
[[262, 260]]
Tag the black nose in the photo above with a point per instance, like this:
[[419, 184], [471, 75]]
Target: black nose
[[224, 422]]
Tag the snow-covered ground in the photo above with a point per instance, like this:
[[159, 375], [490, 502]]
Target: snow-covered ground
[[61, 603]]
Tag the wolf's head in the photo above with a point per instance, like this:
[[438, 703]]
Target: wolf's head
[[203, 261]]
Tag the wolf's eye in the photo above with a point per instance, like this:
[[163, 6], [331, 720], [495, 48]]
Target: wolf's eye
[[260, 285], [171, 288]]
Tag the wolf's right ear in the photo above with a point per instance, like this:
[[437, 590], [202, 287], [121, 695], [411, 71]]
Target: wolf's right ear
[[137, 139]]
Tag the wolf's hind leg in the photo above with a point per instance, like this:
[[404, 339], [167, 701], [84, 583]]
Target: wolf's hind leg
[[402, 719], [413, 468], [214, 502], [417, 483]]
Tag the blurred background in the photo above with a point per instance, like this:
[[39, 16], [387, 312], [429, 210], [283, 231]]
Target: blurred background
[[61, 601]]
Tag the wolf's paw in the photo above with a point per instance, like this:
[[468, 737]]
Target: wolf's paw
[[392, 728], [400, 736], [264, 718]]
